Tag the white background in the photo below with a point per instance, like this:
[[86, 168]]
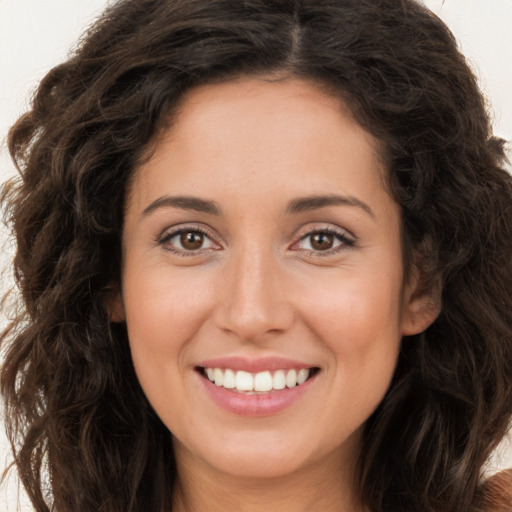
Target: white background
[[37, 34]]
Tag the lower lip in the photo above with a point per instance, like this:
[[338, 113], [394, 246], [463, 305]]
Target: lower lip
[[264, 404]]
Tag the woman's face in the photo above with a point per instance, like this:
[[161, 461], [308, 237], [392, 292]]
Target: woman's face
[[261, 249]]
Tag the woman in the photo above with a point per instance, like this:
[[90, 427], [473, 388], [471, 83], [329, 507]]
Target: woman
[[264, 250]]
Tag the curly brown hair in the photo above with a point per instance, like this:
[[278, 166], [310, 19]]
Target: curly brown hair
[[74, 408]]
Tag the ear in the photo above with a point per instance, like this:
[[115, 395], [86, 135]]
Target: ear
[[421, 304], [115, 307]]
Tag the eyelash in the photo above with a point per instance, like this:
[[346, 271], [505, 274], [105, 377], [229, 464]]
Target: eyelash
[[346, 242], [340, 235], [165, 239]]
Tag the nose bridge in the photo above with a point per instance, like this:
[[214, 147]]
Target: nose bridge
[[254, 302]]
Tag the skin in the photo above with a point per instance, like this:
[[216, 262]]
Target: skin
[[258, 287]]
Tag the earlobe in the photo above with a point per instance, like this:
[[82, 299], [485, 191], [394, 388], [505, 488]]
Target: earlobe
[[421, 305], [419, 316]]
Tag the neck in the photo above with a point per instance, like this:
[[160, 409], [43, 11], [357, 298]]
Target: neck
[[326, 486]]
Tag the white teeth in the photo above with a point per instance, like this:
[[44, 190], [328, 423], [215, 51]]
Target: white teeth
[[302, 376], [279, 380], [261, 382], [218, 376], [291, 379], [244, 381], [229, 379]]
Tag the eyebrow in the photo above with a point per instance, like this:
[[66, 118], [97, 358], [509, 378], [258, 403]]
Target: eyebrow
[[304, 204], [184, 203]]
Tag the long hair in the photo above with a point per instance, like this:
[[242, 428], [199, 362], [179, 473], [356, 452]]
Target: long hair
[[84, 436]]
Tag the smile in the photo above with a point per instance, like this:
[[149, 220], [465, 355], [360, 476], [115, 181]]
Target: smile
[[262, 382], [256, 386]]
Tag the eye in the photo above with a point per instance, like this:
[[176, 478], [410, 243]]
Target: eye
[[324, 241], [187, 240]]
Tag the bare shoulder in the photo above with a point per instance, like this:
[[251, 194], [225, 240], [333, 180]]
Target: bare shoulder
[[495, 494]]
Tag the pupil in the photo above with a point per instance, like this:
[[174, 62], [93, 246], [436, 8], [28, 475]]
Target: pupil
[[322, 241], [191, 240]]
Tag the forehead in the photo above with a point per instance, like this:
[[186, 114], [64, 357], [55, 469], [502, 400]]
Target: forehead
[[261, 138], [264, 102]]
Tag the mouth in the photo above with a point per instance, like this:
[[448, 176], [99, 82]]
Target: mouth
[[263, 382]]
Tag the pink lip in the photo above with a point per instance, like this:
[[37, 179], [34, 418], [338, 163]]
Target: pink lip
[[255, 405], [254, 365], [264, 404]]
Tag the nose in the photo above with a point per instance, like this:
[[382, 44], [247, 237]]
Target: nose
[[253, 303]]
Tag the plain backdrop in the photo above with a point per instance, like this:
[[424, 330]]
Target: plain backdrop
[[35, 35]]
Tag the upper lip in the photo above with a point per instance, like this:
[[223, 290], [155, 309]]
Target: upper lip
[[255, 365]]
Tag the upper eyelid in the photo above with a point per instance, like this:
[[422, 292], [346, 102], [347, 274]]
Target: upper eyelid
[[180, 228], [299, 235], [170, 232], [347, 239], [318, 228]]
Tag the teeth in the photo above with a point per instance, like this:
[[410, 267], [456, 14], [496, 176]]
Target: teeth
[[218, 377], [279, 380], [291, 379], [259, 382], [229, 379], [263, 381], [302, 376], [244, 381]]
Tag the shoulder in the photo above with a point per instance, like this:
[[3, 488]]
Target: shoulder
[[495, 494]]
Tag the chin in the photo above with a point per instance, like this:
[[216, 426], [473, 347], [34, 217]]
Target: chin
[[270, 454], [259, 464]]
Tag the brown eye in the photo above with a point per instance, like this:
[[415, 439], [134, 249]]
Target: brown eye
[[191, 240], [322, 241], [187, 242]]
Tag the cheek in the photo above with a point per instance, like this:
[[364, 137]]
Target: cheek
[[354, 318], [164, 312], [356, 313], [359, 323], [165, 309]]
